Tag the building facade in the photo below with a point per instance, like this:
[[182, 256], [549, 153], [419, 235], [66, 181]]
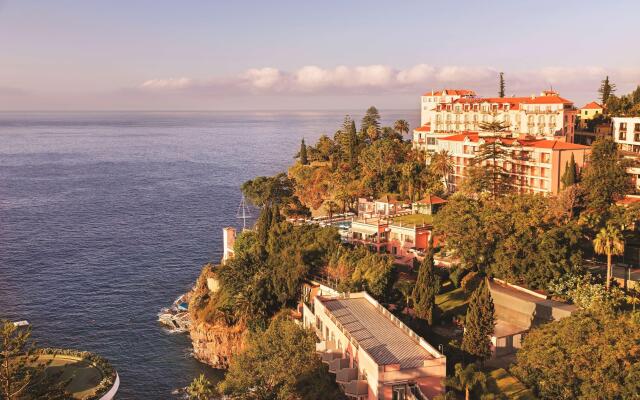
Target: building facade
[[626, 133], [546, 116], [534, 165], [371, 352], [589, 112]]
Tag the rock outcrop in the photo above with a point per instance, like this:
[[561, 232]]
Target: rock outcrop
[[216, 344]]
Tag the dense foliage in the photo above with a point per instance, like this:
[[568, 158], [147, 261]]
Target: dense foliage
[[359, 269], [604, 178], [516, 237], [584, 356], [279, 363], [374, 161], [267, 270]]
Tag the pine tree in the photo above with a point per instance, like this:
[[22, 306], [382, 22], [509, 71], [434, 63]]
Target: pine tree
[[501, 89], [490, 157], [303, 153], [480, 323], [606, 90], [426, 287], [570, 176], [18, 362], [353, 144], [371, 118]]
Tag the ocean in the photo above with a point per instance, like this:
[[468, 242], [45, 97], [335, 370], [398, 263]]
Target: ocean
[[107, 217]]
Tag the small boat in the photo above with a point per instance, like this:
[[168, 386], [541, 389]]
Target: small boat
[[21, 323]]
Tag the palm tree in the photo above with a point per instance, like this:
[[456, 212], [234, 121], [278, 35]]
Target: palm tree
[[405, 287], [401, 126], [466, 379], [442, 164], [332, 207], [609, 241]]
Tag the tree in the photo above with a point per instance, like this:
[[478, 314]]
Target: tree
[[371, 119], [491, 155], [426, 287], [609, 241], [479, 324], [501, 85], [405, 288], [570, 176], [584, 356], [466, 379], [353, 143], [279, 363], [200, 389], [441, 163], [401, 126], [18, 361], [606, 90], [604, 178], [372, 133], [303, 153]]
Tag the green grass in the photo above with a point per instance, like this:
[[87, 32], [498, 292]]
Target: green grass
[[414, 219], [505, 383], [84, 376], [452, 301]]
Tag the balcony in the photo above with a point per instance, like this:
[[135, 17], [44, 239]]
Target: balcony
[[330, 355], [357, 388], [346, 375], [338, 364]]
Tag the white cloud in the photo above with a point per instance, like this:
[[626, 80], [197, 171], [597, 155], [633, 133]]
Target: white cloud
[[170, 83], [381, 79], [262, 78]]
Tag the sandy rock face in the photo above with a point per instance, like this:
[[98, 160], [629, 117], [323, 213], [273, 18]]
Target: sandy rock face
[[215, 344]]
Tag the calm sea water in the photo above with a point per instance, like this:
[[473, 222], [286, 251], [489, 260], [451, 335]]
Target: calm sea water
[[105, 218]]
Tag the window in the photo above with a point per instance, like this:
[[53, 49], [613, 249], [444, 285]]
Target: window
[[636, 128]]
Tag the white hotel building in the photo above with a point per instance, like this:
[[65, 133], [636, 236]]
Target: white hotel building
[[626, 133], [451, 111]]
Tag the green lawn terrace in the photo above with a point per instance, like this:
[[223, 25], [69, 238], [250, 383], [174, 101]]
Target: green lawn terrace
[[412, 220], [88, 376]]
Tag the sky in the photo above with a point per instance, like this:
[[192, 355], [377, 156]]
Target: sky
[[330, 54]]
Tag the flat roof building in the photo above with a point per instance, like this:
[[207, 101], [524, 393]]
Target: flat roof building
[[372, 353]]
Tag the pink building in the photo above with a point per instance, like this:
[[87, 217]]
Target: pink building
[[372, 353]]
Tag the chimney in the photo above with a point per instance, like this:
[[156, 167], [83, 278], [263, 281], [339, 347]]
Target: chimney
[[228, 239]]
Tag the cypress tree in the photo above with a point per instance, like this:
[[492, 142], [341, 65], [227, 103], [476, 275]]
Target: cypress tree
[[570, 177], [263, 225], [303, 153], [606, 90], [501, 89], [426, 287], [480, 323]]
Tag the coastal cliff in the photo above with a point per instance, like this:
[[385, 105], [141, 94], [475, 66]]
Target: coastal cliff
[[215, 341], [215, 344]]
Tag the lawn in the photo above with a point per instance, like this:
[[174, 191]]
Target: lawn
[[84, 376], [414, 219], [452, 301], [505, 383]]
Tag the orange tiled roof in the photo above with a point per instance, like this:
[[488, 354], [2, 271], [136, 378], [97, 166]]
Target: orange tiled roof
[[537, 143], [424, 128], [432, 199], [451, 92], [592, 106], [515, 101]]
